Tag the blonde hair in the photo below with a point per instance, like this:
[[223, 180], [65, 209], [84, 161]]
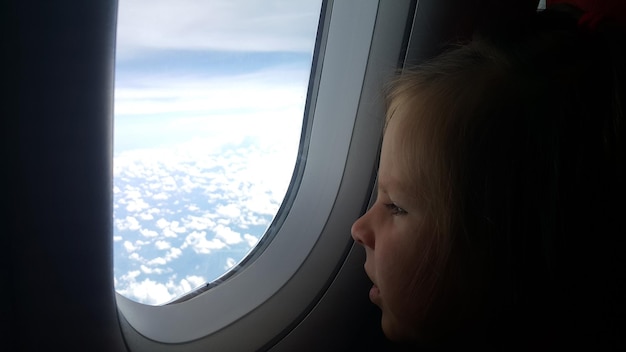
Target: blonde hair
[[505, 141], [432, 109]]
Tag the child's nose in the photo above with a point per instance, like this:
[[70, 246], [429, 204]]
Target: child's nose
[[361, 231]]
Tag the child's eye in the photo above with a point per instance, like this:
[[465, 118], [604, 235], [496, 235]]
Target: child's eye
[[394, 209]]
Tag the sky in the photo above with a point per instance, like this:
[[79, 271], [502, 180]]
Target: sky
[[209, 100]]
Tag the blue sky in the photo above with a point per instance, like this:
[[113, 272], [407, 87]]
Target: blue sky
[[209, 102]]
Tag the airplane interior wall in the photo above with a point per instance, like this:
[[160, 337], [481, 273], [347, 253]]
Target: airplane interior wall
[[57, 272]]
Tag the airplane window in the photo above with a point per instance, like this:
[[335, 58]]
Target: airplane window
[[358, 46], [209, 104]]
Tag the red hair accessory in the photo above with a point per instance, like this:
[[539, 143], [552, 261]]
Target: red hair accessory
[[595, 11]]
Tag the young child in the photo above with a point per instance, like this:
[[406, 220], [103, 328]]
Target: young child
[[501, 191]]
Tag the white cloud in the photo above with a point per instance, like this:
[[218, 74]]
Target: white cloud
[[195, 281], [141, 243], [256, 219], [162, 223], [199, 243], [128, 223], [230, 210], [167, 232], [157, 261], [148, 233], [212, 108], [151, 292], [188, 185], [146, 216], [250, 25], [173, 254], [185, 285], [170, 229], [161, 196], [252, 240], [229, 236], [133, 193], [223, 222], [131, 275], [182, 288], [174, 225], [129, 246], [147, 292], [137, 205], [169, 183], [135, 256], [198, 223], [162, 245]]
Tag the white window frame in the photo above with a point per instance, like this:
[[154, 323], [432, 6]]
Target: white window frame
[[360, 48]]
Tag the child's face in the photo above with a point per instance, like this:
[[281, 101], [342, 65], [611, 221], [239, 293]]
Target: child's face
[[391, 232]]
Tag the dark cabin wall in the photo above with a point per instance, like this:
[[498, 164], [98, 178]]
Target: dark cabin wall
[[57, 122]]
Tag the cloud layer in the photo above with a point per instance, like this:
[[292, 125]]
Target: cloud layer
[[236, 25], [190, 214], [209, 102]]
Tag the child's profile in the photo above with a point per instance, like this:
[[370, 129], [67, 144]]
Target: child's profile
[[501, 191]]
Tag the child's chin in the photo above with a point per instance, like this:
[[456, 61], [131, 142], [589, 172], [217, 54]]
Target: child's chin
[[394, 331]]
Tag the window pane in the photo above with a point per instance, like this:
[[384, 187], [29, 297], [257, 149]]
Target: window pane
[[209, 101]]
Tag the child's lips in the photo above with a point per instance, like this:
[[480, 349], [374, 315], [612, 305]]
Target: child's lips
[[374, 294]]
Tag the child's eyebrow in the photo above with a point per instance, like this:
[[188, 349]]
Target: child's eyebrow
[[388, 183], [381, 188], [391, 187]]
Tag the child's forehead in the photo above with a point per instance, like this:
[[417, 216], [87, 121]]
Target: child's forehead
[[402, 161], [396, 133], [399, 107], [395, 119], [407, 111]]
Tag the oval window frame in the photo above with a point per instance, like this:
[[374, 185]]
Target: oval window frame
[[314, 237]]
